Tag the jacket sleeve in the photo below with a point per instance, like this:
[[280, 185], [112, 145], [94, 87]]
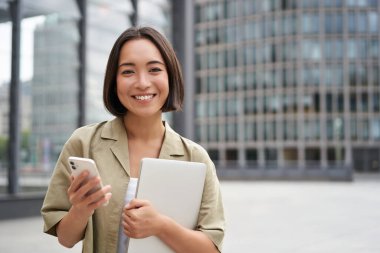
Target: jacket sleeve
[[56, 203], [211, 215]]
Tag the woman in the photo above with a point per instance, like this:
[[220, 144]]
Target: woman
[[143, 79]]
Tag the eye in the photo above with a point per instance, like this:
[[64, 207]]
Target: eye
[[127, 72], [155, 69]]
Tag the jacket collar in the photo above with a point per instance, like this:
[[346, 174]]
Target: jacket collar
[[172, 145]]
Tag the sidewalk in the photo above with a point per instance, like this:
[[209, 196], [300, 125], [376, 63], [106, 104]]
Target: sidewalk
[[265, 217]]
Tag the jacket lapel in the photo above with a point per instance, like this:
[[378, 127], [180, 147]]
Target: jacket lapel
[[172, 146], [116, 131]]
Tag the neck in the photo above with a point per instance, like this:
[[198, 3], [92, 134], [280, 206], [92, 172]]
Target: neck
[[143, 128]]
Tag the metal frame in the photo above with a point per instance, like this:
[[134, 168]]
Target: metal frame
[[183, 42], [15, 8]]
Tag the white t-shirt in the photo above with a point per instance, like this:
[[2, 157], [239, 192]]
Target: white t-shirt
[[131, 192]]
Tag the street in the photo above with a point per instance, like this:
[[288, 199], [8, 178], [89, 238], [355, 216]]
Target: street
[[265, 217]]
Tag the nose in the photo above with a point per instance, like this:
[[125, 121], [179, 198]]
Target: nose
[[143, 81]]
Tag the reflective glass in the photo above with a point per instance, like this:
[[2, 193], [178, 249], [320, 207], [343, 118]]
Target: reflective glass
[[364, 131], [354, 129], [375, 129], [351, 22], [361, 22], [231, 131], [353, 103], [5, 64], [364, 102], [373, 22], [213, 132], [373, 48], [376, 102], [250, 131]]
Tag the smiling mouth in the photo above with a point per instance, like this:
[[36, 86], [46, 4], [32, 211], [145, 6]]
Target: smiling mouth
[[144, 97]]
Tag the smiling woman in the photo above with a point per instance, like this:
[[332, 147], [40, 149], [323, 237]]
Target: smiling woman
[[143, 79], [165, 53]]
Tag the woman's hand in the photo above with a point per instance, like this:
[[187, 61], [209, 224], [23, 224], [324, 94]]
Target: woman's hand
[[84, 196], [141, 220]]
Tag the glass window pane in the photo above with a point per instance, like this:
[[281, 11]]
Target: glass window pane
[[375, 129], [373, 22]]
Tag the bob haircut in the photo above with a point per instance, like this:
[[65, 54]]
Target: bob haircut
[[176, 93]]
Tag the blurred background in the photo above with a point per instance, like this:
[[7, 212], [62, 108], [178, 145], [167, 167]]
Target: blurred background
[[274, 89]]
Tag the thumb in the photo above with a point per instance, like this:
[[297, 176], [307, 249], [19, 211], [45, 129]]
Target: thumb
[[135, 203]]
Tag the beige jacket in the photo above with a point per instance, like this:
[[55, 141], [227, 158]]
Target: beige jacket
[[107, 144]]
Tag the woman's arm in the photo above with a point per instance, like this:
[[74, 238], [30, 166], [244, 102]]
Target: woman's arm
[[141, 220], [70, 229]]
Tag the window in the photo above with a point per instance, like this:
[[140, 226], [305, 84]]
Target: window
[[364, 131], [338, 128], [250, 105], [373, 48], [231, 155], [362, 22], [312, 154], [231, 131], [213, 132], [329, 129], [335, 154], [270, 130], [373, 22], [290, 129], [250, 131], [270, 155], [214, 154], [251, 154], [364, 102], [351, 22], [308, 23], [354, 129], [329, 102], [375, 129], [376, 102], [353, 103]]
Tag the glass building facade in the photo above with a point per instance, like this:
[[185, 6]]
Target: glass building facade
[[50, 75], [288, 85]]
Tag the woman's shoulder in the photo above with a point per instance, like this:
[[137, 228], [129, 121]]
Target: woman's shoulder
[[93, 131], [194, 148], [87, 131]]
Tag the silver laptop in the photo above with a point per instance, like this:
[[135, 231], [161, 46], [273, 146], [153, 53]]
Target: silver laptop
[[175, 189]]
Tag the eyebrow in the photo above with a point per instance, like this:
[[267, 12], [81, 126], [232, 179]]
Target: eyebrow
[[149, 63]]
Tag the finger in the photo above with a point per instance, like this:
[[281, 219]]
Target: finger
[[90, 185], [100, 202], [78, 181], [128, 228], [136, 203], [99, 194]]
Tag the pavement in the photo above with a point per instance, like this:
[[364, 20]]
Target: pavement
[[264, 217]]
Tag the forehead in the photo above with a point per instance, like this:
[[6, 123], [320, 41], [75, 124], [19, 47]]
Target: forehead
[[139, 50]]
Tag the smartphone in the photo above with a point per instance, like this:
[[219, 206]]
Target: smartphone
[[79, 164]]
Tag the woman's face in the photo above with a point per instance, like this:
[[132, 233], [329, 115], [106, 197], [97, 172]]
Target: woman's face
[[142, 78]]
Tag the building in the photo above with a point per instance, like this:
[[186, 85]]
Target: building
[[288, 89], [56, 74], [54, 87], [106, 20]]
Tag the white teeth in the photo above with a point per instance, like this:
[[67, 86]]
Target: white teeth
[[144, 97]]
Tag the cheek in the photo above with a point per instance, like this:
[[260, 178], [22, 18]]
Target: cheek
[[164, 85], [121, 85]]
